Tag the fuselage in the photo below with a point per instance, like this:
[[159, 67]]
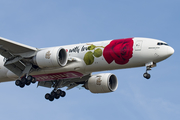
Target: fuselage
[[90, 57]]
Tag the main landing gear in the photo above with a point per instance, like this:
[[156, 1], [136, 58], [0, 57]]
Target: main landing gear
[[55, 94], [25, 81], [148, 68]]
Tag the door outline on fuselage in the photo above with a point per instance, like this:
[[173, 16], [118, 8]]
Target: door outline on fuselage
[[138, 45]]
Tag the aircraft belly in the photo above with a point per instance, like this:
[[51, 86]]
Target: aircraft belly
[[73, 69], [56, 76]]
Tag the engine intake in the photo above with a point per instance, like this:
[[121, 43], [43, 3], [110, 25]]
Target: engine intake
[[102, 83], [51, 57]]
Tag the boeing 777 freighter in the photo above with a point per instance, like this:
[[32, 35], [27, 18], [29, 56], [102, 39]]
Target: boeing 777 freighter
[[72, 65]]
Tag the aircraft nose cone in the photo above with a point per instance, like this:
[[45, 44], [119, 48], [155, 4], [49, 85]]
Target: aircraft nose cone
[[170, 50]]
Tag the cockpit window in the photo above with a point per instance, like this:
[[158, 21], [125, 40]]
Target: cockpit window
[[159, 43]]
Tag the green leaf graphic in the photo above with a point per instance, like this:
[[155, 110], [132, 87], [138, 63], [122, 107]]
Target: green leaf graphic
[[89, 58], [92, 47], [98, 53]]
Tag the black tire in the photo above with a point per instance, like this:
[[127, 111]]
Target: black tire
[[29, 78], [63, 94], [145, 75], [33, 80], [58, 92], [18, 82], [53, 94], [148, 76], [51, 98], [28, 82], [22, 85], [23, 80], [47, 96], [57, 96]]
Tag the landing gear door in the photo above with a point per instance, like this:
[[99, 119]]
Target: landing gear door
[[138, 45]]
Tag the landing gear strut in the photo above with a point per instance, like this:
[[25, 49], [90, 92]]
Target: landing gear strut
[[25, 81], [55, 94], [148, 68]]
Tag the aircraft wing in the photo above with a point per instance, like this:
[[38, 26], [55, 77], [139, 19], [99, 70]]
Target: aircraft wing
[[69, 83], [14, 53], [10, 48]]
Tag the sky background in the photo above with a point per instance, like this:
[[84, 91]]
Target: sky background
[[41, 23]]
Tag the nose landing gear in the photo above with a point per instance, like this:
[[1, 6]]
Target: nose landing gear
[[148, 67], [146, 74]]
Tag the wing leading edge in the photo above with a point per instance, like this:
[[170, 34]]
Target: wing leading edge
[[15, 47]]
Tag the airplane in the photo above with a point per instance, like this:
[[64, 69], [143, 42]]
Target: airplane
[[72, 65]]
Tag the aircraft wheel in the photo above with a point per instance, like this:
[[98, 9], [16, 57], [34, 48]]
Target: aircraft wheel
[[63, 93], [57, 96], [53, 94], [24, 80], [29, 78], [28, 82], [18, 82], [58, 92], [33, 80], [146, 75], [47, 96], [22, 85], [51, 98]]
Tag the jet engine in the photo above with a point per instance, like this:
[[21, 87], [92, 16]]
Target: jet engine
[[51, 57], [102, 83]]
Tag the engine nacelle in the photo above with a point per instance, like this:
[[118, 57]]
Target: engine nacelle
[[102, 83], [51, 57]]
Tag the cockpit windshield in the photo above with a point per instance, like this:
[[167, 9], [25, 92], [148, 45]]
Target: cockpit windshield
[[160, 43]]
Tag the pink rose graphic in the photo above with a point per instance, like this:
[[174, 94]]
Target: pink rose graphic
[[119, 50]]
